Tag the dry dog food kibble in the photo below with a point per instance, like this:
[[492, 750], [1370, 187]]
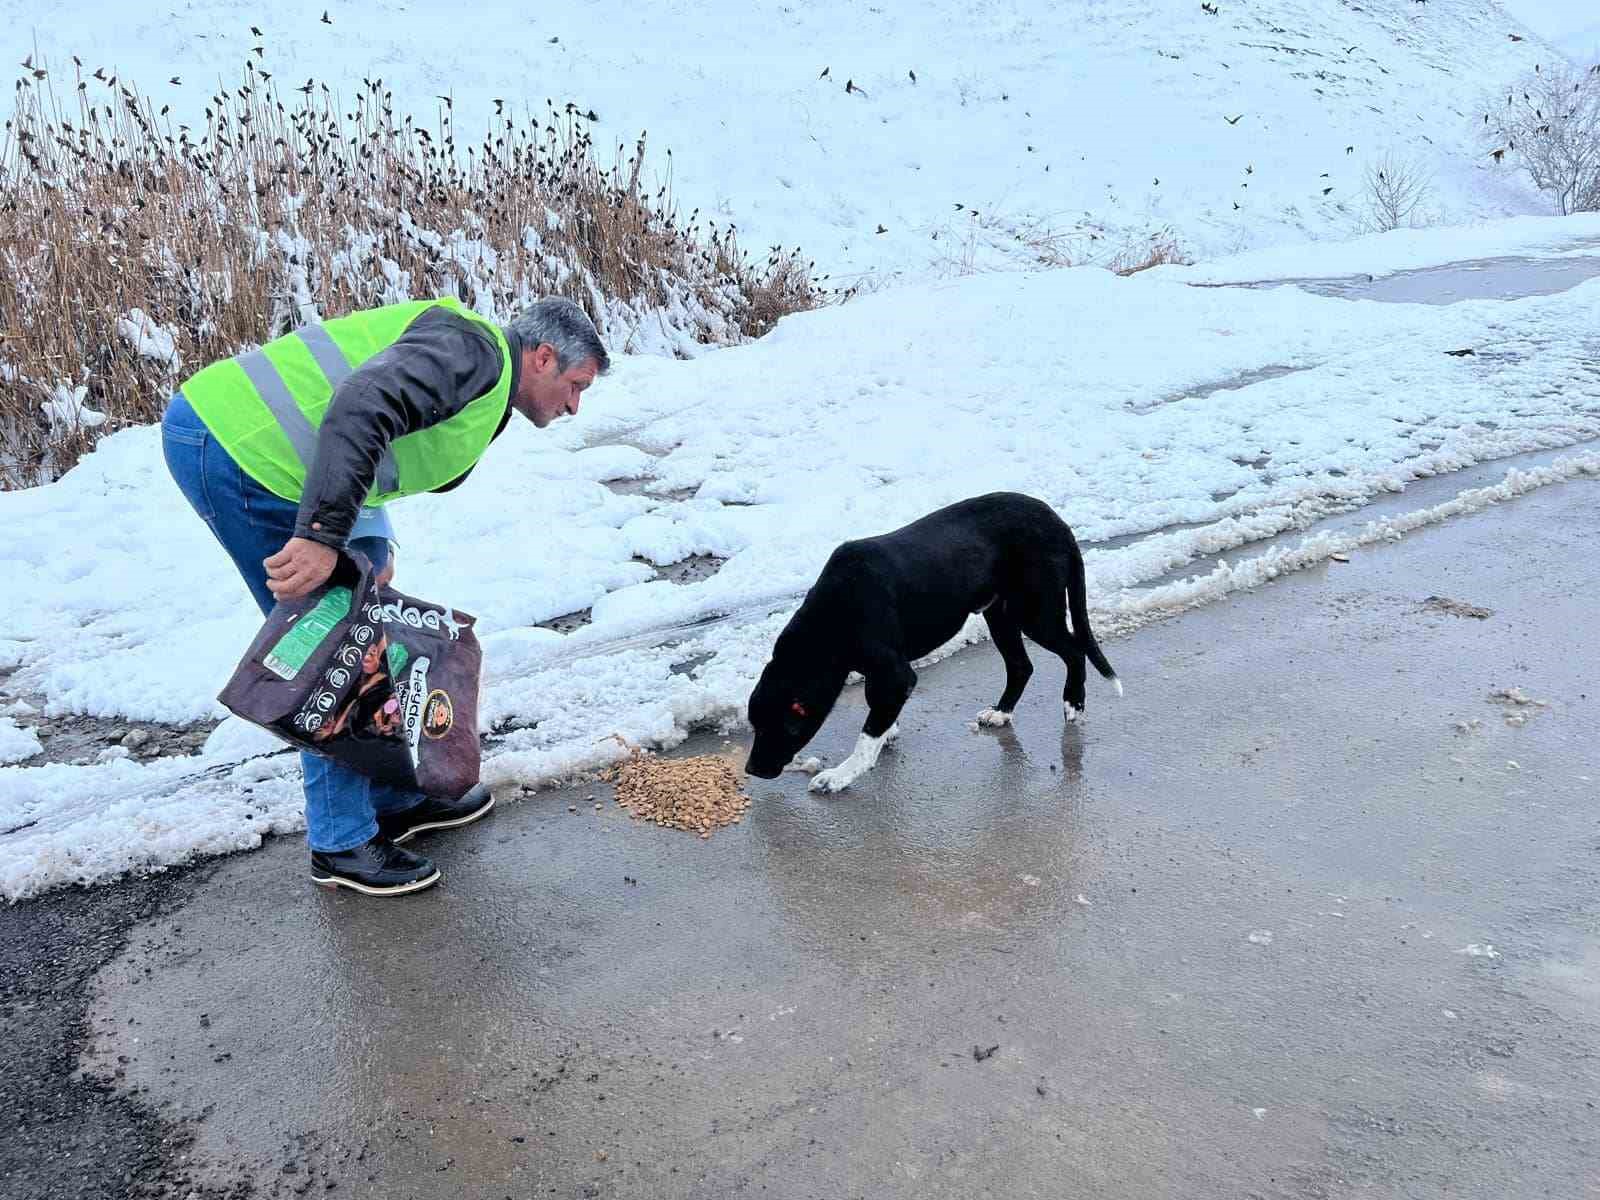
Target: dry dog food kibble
[[697, 794]]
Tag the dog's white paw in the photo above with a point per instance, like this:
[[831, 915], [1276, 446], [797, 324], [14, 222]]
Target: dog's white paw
[[993, 718], [1072, 712], [861, 760], [894, 732], [834, 779]]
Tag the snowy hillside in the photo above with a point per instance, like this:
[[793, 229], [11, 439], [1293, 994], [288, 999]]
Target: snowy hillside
[[1075, 129]]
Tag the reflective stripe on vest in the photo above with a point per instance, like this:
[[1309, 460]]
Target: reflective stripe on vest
[[274, 392]]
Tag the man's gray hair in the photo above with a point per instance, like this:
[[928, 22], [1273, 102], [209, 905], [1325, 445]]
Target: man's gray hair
[[565, 327]]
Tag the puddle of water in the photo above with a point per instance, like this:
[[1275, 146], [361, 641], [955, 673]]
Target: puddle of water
[[566, 622], [685, 571], [1232, 384], [689, 570], [643, 487], [1482, 279], [693, 663]]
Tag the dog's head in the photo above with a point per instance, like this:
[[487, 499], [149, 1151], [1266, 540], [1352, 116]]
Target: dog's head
[[791, 700]]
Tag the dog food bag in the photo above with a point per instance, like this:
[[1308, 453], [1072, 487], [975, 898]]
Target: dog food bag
[[382, 682]]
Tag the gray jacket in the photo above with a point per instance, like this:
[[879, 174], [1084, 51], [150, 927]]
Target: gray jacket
[[441, 363]]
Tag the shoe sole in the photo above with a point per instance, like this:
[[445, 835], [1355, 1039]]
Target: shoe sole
[[426, 826], [334, 882]]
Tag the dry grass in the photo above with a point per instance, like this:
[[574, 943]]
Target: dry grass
[[977, 240], [1159, 248], [279, 211]]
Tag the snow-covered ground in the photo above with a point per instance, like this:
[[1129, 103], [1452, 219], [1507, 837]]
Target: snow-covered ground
[[1130, 404], [1088, 125]]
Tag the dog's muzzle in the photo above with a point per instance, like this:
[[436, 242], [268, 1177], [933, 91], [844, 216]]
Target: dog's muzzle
[[762, 770]]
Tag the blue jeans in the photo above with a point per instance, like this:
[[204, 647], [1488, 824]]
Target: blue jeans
[[253, 524]]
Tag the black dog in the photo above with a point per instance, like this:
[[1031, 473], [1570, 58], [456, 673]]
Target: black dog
[[883, 602]]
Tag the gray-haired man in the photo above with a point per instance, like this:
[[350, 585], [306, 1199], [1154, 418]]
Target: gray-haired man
[[289, 452]]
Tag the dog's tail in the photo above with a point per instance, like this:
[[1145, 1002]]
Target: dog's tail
[[1078, 609]]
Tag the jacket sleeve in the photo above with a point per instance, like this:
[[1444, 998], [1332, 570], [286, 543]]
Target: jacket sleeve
[[434, 369]]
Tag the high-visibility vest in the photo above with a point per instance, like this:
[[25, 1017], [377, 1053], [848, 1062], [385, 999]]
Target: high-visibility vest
[[266, 407]]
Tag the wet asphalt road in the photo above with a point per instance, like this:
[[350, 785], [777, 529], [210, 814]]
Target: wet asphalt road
[[64, 1133], [1301, 916]]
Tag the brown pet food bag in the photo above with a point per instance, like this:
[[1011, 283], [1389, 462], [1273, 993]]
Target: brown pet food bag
[[382, 682]]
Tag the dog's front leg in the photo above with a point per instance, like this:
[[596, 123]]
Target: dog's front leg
[[889, 683]]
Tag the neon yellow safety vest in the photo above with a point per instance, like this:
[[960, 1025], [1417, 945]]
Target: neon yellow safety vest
[[266, 407]]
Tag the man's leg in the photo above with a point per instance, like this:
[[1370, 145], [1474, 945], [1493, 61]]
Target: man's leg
[[252, 524]]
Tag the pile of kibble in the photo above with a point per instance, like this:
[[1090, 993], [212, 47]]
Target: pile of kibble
[[696, 794]]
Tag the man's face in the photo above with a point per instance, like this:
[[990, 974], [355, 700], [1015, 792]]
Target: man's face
[[546, 391]]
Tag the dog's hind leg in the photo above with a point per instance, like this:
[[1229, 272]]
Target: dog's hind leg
[[1043, 617], [1008, 640]]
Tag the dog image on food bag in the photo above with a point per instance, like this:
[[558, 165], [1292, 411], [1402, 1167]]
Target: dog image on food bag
[[374, 708], [880, 603]]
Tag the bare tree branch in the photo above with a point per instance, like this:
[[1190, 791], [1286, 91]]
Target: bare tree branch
[[1549, 125]]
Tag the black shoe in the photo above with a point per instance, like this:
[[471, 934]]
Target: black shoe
[[375, 868], [436, 813]]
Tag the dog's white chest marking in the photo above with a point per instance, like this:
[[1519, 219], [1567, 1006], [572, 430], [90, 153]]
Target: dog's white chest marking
[[861, 760]]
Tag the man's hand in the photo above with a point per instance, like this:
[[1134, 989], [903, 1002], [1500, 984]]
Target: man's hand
[[299, 568]]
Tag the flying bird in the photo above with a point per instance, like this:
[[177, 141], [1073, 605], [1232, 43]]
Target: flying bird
[[824, 74], [326, 19], [254, 31], [850, 86], [913, 75], [175, 81], [1234, 120], [881, 229]]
